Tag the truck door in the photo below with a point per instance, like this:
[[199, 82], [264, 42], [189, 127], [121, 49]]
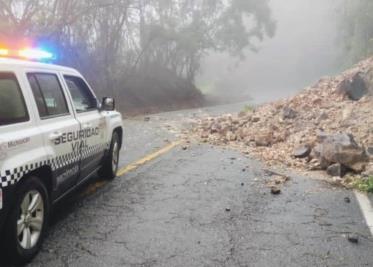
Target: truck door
[[92, 140], [58, 127]]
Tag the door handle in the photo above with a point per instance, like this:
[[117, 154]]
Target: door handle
[[87, 125], [55, 135]]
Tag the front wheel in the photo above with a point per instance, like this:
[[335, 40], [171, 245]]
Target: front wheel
[[27, 221], [111, 162]]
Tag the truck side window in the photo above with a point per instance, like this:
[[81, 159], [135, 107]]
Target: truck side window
[[48, 94], [12, 104], [82, 96]]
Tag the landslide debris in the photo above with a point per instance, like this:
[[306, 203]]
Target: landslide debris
[[328, 126]]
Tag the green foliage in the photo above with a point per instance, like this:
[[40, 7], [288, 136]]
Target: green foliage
[[365, 185], [248, 108], [356, 29]]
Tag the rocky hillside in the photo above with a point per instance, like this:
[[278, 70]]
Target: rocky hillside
[[328, 126]]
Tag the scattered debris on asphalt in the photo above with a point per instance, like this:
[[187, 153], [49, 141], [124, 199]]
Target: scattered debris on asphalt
[[326, 127], [353, 238], [275, 190]]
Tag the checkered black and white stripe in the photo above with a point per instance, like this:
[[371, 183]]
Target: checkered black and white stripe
[[11, 177], [64, 160], [92, 150]]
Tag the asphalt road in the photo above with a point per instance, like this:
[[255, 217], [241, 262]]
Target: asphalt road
[[204, 206]]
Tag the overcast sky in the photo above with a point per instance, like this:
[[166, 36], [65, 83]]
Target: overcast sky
[[303, 50]]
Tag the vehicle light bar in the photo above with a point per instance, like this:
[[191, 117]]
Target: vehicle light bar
[[27, 53], [4, 52], [35, 54]]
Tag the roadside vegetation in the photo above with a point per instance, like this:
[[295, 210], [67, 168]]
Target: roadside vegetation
[[248, 108], [355, 29], [365, 185]]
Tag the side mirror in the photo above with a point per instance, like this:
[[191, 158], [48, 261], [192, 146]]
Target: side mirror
[[108, 104]]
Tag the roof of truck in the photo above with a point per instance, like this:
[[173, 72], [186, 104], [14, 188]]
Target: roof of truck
[[33, 64]]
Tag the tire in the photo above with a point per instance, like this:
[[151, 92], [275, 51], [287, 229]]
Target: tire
[[27, 223], [111, 162]]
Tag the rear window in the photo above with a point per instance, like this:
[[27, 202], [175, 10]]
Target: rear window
[[12, 104], [48, 94]]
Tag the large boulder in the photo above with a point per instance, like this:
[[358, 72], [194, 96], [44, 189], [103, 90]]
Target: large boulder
[[342, 148], [354, 88]]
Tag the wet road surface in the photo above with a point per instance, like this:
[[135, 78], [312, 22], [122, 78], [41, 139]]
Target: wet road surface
[[204, 206]]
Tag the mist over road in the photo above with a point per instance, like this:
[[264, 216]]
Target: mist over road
[[304, 48]]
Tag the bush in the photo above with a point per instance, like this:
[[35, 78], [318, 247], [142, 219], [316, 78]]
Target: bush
[[365, 185]]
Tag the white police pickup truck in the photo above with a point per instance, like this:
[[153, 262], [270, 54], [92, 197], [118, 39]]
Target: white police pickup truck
[[54, 135]]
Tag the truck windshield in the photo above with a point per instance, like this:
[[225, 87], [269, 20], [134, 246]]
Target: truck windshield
[[12, 104]]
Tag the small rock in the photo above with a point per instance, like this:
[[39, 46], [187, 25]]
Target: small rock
[[264, 139], [369, 170], [347, 113], [215, 128], [337, 181], [353, 238], [275, 190], [337, 170], [242, 184], [227, 209], [323, 116], [243, 170], [370, 151], [347, 200], [205, 135], [231, 136], [302, 152], [288, 113], [255, 119], [185, 147]]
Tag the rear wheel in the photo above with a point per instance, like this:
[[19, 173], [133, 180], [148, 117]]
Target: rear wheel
[[111, 162], [27, 222]]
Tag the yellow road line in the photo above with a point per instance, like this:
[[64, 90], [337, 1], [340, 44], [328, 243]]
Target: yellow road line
[[147, 158], [94, 187]]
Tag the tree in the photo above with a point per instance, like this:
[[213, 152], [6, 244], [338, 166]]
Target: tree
[[356, 29], [110, 40]]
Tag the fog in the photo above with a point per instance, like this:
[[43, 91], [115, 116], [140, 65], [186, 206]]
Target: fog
[[303, 50], [151, 54]]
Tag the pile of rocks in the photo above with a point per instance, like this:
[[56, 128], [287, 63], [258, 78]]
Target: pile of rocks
[[328, 126]]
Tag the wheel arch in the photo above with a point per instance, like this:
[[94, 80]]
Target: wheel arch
[[119, 130], [45, 175]]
